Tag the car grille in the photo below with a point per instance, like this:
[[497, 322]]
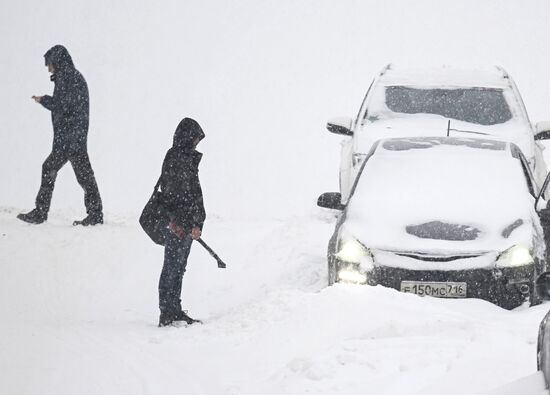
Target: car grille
[[437, 258]]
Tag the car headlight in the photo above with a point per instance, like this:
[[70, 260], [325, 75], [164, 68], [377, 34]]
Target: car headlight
[[358, 261], [351, 251], [517, 255]]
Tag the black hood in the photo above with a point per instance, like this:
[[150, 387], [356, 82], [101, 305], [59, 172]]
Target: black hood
[[59, 57], [186, 133]]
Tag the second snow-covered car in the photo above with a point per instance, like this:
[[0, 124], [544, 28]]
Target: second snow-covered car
[[408, 102], [441, 216], [543, 348]]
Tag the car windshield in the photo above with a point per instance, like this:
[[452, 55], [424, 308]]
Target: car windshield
[[481, 106]]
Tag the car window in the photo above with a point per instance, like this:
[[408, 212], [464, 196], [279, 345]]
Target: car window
[[482, 106]]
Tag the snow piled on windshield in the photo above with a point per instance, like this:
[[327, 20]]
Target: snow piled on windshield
[[435, 125], [501, 102], [461, 186]]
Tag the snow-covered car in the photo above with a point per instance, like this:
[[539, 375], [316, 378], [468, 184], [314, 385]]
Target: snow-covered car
[[543, 348], [441, 216], [543, 341], [441, 101]]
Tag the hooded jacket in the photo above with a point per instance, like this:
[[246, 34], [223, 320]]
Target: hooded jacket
[[69, 104], [181, 189]]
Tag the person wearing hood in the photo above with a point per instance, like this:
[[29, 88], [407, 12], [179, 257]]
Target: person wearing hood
[[183, 201], [69, 108]]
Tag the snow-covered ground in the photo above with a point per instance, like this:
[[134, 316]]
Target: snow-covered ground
[[79, 314]]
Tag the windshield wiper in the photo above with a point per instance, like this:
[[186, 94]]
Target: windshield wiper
[[469, 131], [463, 131]]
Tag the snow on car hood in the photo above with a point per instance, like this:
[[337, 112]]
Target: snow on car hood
[[436, 197]]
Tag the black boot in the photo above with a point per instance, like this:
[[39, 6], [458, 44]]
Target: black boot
[[166, 319], [33, 217], [90, 220], [182, 316]]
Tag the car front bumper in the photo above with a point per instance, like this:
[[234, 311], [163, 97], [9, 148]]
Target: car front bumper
[[506, 287]]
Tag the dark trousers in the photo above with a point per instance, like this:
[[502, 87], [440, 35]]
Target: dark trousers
[[84, 175], [176, 252]]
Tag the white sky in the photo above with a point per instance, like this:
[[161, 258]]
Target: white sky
[[261, 77]]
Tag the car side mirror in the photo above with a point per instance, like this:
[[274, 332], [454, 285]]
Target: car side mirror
[[542, 285], [542, 131], [332, 200], [340, 126]]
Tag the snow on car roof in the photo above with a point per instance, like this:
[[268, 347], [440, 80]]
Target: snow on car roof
[[457, 183], [445, 76]]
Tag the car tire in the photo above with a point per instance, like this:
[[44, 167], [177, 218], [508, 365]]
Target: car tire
[[508, 299], [534, 297]]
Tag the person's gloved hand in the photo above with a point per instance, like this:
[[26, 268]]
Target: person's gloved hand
[[196, 233], [176, 229]]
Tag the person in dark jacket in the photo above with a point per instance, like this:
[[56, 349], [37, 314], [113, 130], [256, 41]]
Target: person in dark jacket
[[69, 106], [182, 194]]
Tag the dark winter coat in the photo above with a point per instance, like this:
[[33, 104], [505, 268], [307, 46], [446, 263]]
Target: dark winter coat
[[69, 104], [180, 184]]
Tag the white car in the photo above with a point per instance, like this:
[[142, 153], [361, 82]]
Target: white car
[[441, 216], [543, 348], [443, 101]]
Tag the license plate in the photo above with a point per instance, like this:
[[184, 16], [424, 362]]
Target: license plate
[[436, 289]]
